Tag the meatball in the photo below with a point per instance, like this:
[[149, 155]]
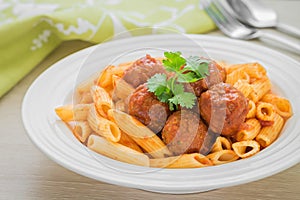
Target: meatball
[[224, 108], [146, 108], [216, 75], [184, 132], [142, 69]]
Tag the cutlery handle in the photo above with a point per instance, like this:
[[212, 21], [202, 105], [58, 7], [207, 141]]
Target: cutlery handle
[[289, 44], [288, 29]]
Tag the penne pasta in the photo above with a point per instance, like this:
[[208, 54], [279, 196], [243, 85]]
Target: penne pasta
[[265, 112], [254, 70], [143, 136], [103, 127], [82, 130], [246, 149], [122, 89], [252, 109], [115, 80], [244, 87], [234, 67], [86, 98], [282, 106], [234, 76], [268, 134], [221, 143], [105, 79], [250, 130], [223, 156], [121, 106], [260, 88], [194, 160], [116, 151], [78, 112], [102, 100], [126, 140]]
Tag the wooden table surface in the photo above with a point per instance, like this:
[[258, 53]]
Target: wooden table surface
[[26, 173]]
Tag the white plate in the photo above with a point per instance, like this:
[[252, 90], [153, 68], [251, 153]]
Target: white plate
[[55, 86]]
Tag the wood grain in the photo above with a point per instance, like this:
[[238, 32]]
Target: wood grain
[[26, 173]]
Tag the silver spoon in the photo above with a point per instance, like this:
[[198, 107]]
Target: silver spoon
[[256, 14]]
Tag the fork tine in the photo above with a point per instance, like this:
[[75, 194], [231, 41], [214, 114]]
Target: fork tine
[[219, 11], [219, 20], [221, 16]]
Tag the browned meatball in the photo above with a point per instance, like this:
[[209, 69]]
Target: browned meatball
[[142, 69], [224, 108], [184, 132], [216, 75], [145, 107]]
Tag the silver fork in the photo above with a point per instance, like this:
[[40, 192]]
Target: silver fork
[[230, 26]]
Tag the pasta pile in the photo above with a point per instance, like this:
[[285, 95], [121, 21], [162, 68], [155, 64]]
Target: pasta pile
[[98, 121]]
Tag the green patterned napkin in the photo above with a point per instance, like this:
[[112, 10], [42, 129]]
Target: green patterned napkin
[[31, 29]]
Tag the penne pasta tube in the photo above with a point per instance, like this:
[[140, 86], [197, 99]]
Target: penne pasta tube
[[82, 130], [120, 105], [250, 130], [260, 88], [242, 148], [222, 157], [254, 70], [234, 76], [234, 67], [244, 87], [86, 98], [268, 134], [110, 115], [78, 112], [129, 142], [265, 111], [116, 151], [143, 136], [122, 89], [282, 106], [194, 160], [101, 100], [105, 78], [221, 143], [115, 80], [252, 109], [103, 127]]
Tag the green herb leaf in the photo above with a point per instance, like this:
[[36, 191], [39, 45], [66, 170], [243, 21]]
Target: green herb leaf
[[186, 99], [178, 89], [198, 66], [188, 77], [171, 91], [157, 83], [173, 61]]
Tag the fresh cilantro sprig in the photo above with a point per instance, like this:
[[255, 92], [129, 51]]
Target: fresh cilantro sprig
[[188, 70], [171, 90], [168, 91]]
